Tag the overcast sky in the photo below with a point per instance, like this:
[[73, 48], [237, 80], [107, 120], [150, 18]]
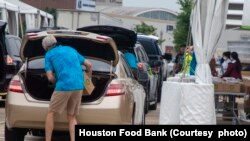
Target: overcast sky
[[168, 4]]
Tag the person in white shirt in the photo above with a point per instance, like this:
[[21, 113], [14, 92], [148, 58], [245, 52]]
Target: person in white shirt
[[226, 58]]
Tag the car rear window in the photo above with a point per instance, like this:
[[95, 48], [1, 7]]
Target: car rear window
[[149, 47]]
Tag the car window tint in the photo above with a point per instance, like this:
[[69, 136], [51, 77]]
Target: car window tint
[[143, 59], [144, 54], [138, 55], [149, 47], [126, 67]]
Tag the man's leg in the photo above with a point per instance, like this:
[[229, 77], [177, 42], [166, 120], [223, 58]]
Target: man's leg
[[73, 110], [72, 122], [49, 125]]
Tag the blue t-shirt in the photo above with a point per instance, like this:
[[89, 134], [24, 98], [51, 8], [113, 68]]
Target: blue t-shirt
[[65, 62], [131, 59]]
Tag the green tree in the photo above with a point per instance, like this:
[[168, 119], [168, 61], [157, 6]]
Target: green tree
[[183, 23], [147, 30], [52, 11]]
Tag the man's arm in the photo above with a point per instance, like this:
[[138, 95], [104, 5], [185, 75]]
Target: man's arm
[[88, 67], [51, 76]]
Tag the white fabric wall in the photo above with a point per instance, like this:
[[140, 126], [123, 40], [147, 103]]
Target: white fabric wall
[[30, 21], [208, 22]]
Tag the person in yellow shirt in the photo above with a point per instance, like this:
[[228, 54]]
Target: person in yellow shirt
[[187, 60]]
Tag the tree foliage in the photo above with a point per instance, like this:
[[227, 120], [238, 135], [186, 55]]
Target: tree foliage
[[147, 30], [52, 11], [183, 23]]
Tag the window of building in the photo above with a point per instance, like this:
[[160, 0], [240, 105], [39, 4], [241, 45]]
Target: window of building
[[234, 17], [232, 26], [161, 15], [235, 6], [170, 28]]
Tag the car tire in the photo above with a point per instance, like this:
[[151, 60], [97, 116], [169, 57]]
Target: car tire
[[143, 119], [146, 104], [14, 134], [159, 93], [153, 107]]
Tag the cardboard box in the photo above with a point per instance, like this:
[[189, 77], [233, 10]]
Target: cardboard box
[[246, 81], [247, 89], [219, 87], [245, 73], [234, 87], [88, 85]]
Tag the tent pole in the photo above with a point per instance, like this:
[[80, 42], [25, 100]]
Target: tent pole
[[21, 24], [20, 20]]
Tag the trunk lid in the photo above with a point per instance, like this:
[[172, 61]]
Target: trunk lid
[[87, 44], [124, 38]]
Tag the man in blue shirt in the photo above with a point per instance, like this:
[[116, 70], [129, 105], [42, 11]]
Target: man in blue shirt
[[131, 59], [63, 67]]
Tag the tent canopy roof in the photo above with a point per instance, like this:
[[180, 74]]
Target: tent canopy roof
[[23, 7], [7, 5], [16, 5]]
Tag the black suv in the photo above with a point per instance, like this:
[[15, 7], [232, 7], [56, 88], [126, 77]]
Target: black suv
[[154, 53], [9, 59]]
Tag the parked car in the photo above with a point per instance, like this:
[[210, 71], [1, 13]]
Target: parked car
[[150, 44], [146, 77], [126, 40], [9, 59], [117, 98]]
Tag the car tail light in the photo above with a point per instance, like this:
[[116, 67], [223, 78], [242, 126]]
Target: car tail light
[[115, 90], [15, 86], [32, 34], [8, 60], [140, 66], [102, 38], [156, 69]]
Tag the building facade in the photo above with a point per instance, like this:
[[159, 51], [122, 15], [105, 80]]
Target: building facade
[[238, 13], [163, 20], [65, 4], [235, 38], [57, 4]]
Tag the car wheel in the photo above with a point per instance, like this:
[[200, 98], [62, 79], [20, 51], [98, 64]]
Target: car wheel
[[154, 106], [146, 104], [14, 134], [143, 119], [159, 93]]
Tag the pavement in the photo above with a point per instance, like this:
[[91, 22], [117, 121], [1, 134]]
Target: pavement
[[152, 118]]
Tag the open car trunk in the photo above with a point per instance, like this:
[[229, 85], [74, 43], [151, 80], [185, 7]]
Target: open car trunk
[[38, 87]]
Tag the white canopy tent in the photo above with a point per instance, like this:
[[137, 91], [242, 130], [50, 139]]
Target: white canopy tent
[[208, 23], [7, 5], [193, 103], [10, 15], [33, 15]]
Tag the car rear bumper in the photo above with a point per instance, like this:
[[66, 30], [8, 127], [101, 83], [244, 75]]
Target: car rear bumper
[[21, 113]]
